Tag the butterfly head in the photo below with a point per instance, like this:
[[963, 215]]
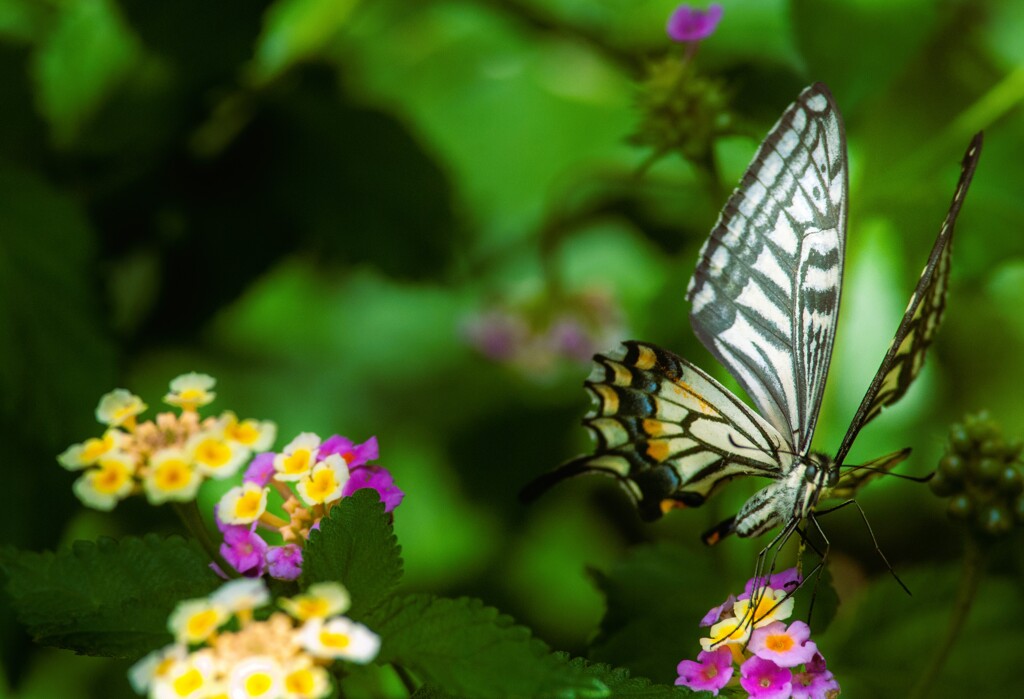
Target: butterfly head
[[820, 473]]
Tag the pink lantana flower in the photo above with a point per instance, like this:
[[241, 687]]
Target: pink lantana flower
[[244, 549], [714, 614], [787, 580], [709, 673], [260, 470], [786, 647], [815, 682], [378, 478], [355, 455], [763, 679]]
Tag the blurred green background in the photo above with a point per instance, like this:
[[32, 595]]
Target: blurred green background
[[413, 220]]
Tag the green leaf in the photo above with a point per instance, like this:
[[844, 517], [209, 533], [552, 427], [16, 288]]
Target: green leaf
[[471, 650], [881, 644], [88, 52], [109, 598], [356, 547], [829, 32], [622, 684], [656, 599], [54, 356], [297, 29]]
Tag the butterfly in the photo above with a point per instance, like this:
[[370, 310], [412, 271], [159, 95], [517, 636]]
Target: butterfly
[[765, 302]]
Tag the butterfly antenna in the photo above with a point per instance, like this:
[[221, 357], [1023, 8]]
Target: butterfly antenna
[[874, 540], [885, 472]]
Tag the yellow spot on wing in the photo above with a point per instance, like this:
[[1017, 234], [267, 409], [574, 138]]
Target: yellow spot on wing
[[657, 449], [646, 359], [609, 399], [654, 428], [623, 376], [668, 504]]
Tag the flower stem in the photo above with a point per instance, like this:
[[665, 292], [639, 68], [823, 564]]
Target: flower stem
[[188, 513], [970, 578], [406, 678]]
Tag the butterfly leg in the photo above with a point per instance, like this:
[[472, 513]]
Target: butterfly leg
[[761, 577]]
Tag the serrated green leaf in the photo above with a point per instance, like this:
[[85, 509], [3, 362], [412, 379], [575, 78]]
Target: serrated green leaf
[[109, 598], [470, 650], [622, 684], [429, 691], [356, 547]]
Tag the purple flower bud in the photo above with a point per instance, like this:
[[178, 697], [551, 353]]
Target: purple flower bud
[[715, 613], [688, 24], [285, 562]]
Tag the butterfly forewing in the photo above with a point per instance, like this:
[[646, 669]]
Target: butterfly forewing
[[921, 320], [765, 293], [654, 410]]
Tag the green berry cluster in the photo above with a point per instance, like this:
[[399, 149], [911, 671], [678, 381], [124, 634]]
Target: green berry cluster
[[981, 472], [681, 110]]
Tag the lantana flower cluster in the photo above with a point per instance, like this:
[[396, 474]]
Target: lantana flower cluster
[[747, 633], [225, 648], [310, 476], [536, 334], [682, 109], [166, 458]]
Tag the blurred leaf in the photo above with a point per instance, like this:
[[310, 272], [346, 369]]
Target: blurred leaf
[[655, 602], [356, 547], [882, 642], [206, 41], [85, 54], [297, 29], [829, 32], [23, 133], [47, 307], [471, 650], [336, 172], [23, 20], [105, 598]]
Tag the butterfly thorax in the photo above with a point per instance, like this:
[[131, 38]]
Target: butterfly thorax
[[790, 498]]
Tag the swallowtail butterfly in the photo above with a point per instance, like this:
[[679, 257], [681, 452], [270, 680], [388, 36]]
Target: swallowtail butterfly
[[765, 301]]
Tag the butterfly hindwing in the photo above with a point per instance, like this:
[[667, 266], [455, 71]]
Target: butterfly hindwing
[[921, 320], [669, 431], [766, 290]]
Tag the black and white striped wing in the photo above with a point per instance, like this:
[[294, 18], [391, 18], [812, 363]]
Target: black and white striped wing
[[765, 293], [668, 432], [921, 321]]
